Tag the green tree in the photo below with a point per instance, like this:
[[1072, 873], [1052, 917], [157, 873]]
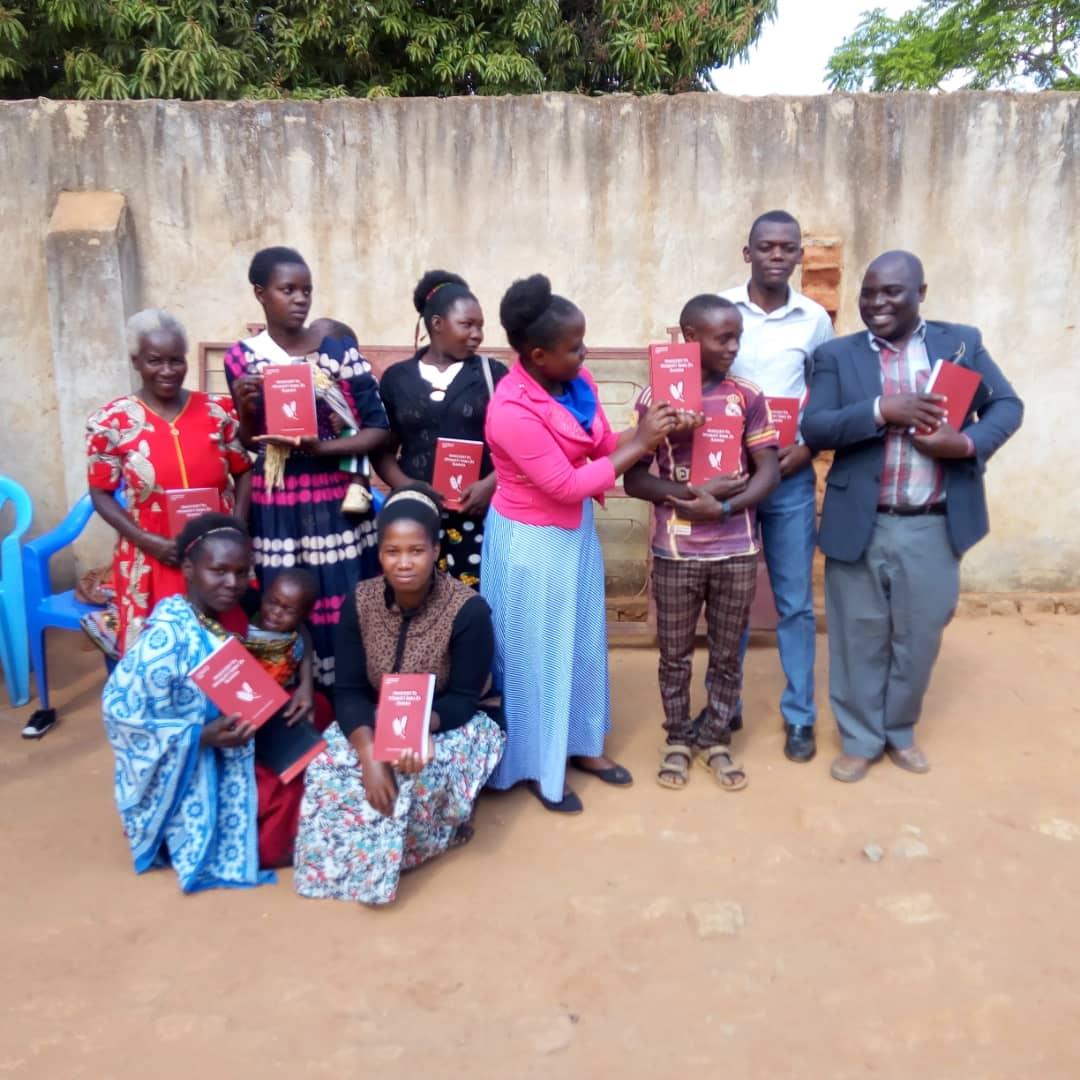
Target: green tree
[[987, 43], [366, 48]]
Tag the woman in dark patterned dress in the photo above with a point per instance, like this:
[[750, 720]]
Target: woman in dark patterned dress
[[296, 502], [443, 392]]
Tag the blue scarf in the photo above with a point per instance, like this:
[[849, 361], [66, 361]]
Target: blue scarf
[[579, 400]]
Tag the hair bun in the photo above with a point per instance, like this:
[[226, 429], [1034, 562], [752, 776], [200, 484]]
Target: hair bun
[[524, 302], [430, 281]]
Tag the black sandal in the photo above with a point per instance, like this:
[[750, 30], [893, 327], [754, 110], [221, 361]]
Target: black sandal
[[568, 804], [613, 774]]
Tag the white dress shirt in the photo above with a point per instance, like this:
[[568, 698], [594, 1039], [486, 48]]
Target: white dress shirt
[[777, 346]]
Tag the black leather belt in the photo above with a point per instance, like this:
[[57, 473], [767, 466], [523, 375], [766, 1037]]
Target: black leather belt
[[912, 511]]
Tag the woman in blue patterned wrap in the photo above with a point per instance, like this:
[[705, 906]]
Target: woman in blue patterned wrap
[[185, 774]]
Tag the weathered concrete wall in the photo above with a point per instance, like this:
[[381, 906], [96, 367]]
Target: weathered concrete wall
[[89, 239], [631, 205]]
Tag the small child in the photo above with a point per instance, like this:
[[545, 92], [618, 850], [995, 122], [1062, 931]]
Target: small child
[[277, 638], [280, 642], [705, 549]]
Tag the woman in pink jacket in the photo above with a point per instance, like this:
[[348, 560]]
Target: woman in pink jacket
[[554, 452]]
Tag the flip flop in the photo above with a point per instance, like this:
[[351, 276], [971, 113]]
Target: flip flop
[[613, 774], [568, 804]]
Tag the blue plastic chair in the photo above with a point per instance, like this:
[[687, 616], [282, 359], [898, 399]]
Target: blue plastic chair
[[46, 610], [14, 653]]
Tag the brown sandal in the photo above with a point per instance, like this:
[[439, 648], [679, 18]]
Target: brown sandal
[[673, 774], [724, 775]]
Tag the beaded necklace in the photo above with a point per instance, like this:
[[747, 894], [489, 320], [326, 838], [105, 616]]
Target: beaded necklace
[[210, 624]]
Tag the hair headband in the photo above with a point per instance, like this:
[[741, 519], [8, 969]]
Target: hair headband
[[418, 496], [210, 532], [441, 285]]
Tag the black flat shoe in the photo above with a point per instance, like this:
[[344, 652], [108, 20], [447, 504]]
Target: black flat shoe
[[613, 774], [568, 804], [735, 725], [41, 722], [800, 744]]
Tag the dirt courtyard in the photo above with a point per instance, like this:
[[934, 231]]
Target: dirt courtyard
[[659, 934]]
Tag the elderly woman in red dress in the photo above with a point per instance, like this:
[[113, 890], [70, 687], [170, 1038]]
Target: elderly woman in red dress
[[161, 439]]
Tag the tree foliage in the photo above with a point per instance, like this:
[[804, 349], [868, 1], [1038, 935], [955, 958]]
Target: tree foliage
[[366, 48], [985, 43]]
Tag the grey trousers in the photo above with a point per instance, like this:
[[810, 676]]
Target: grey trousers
[[886, 616]]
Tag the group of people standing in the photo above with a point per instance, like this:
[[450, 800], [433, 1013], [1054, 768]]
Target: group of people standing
[[503, 599]]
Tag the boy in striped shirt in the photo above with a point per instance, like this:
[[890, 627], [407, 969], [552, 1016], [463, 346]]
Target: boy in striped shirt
[[705, 548]]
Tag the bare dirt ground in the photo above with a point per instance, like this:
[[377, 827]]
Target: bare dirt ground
[[659, 934]]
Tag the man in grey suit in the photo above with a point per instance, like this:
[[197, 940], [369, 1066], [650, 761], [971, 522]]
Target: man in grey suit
[[904, 500]]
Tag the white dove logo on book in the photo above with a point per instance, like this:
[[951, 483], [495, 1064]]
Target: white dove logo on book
[[455, 483], [399, 724], [289, 409], [715, 458], [246, 693], [677, 390]]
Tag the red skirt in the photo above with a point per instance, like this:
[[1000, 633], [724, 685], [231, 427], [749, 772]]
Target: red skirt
[[279, 804]]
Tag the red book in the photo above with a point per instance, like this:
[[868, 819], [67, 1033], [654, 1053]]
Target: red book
[[289, 400], [717, 448], [403, 715], [959, 385], [183, 504], [785, 417], [675, 374], [457, 465], [237, 683]]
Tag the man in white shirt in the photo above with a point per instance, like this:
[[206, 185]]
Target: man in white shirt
[[781, 330]]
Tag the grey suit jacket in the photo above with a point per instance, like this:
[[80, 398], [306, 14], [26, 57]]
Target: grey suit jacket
[[840, 416]]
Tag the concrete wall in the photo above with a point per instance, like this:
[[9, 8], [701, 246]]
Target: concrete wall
[[630, 205]]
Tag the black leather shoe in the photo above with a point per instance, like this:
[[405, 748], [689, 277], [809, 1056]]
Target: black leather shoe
[[800, 745]]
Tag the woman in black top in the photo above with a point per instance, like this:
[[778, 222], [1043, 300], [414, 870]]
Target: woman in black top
[[443, 392]]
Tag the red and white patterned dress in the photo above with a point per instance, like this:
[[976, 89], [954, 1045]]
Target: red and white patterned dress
[[128, 443]]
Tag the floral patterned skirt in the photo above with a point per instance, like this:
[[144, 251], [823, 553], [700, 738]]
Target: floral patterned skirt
[[346, 850]]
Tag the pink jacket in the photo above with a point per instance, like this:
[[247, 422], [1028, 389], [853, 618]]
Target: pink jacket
[[546, 464]]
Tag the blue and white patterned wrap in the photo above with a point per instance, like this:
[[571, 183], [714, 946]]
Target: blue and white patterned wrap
[[190, 805]]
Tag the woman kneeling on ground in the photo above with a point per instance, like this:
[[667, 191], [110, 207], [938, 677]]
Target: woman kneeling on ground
[[185, 774], [362, 821]]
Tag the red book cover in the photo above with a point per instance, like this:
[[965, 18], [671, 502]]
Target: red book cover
[[237, 683], [183, 504], [785, 417], [403, 715], [717, 448], [289, 400], [457, 465], [675, 374], [959, 385]]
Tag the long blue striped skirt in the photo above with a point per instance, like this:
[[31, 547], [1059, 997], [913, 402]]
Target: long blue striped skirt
[[545, 586]]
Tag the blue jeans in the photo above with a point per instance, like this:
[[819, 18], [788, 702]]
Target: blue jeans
[[788, 521]]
